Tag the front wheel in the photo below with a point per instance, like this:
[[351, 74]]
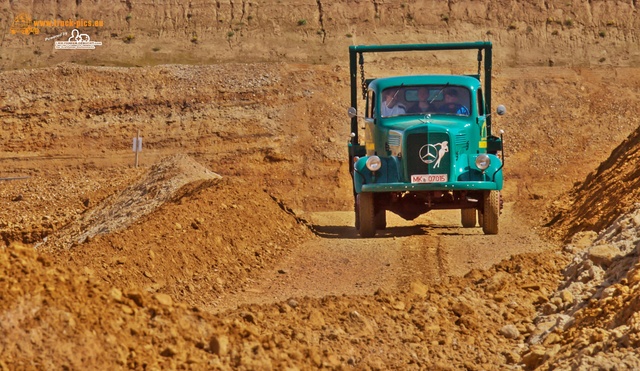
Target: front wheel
[[468, 218], [365, 213], [491, 212], [381, 219]]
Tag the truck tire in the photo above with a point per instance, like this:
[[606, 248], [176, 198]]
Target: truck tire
[[381, 219], [491, 212], [468, 218], [366, 215]]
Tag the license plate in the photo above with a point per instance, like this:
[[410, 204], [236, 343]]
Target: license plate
[[429, 178]]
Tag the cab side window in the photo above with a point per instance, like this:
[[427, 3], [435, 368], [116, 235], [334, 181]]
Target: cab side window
[[480, 103]]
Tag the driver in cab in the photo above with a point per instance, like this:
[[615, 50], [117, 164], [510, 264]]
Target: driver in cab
[[390, 104]]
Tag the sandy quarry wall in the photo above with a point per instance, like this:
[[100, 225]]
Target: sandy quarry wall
[[577, 32]]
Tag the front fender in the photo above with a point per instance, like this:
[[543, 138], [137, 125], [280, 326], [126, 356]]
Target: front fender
[[491, 174], [389, 172], [494, 171]]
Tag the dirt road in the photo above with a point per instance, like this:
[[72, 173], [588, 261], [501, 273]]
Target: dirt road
[[430, 249]]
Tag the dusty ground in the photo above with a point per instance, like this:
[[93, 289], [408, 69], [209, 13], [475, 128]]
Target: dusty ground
[[232, 245]]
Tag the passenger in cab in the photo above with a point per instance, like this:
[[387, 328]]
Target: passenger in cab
[[422, 105], [452, 103]]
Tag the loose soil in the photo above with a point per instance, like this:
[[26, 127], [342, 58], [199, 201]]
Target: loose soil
[[232, 246]]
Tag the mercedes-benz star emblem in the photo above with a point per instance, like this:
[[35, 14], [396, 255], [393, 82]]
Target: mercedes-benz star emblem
[[430, 153]]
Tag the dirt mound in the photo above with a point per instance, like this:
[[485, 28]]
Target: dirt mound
[[592, 320], [49, 199], [474, 322], [73, 316], [121, 299], [606, 193], [163, 181], [55, 315], [208, 238]]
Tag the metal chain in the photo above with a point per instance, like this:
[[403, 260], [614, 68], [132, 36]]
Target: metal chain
[[363, 81]]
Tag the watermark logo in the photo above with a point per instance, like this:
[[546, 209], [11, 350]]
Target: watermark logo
[[78, 41], [56, 36], [23, 24], [76, 23]]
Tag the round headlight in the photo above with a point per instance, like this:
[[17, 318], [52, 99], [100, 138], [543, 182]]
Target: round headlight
[[374, 163], [483, 161]]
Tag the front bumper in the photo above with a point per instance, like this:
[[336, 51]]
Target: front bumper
[[456, 186]]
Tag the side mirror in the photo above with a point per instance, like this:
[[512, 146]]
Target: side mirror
[[501, 110], [352, 112]]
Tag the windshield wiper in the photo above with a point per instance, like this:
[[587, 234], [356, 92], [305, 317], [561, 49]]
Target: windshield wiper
[[439, 92]]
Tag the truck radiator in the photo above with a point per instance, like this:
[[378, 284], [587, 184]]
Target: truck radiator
[[428, 153]]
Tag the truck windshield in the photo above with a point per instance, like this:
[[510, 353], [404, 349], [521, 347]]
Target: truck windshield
[[424, 99]]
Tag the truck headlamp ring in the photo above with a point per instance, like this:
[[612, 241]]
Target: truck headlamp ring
[[373, 163], [483, 161]]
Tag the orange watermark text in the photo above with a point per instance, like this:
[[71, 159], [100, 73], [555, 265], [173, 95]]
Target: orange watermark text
[[76, 23], [24, 24]]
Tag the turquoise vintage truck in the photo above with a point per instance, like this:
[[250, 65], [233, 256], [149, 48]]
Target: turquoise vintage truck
[[428, 142]]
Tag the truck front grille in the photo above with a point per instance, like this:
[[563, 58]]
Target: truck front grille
[[428, 153]]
